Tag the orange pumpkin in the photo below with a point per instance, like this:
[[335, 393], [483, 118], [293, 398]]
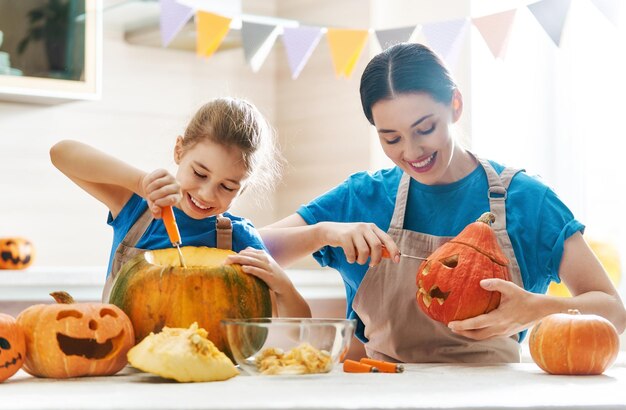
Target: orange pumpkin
[[75, 339], [12, 347], [449, 280], [16, 253], [572, 343], [155, 291]]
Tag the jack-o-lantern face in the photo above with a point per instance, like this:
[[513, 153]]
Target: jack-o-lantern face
[[16, 253], [12, 347], [449, 280], [75, 339]]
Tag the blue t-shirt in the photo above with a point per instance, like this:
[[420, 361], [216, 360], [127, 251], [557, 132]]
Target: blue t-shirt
[[194, 232], [538, 223]]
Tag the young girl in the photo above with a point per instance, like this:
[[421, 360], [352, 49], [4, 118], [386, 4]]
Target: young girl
[[227, 147], [436, 189]]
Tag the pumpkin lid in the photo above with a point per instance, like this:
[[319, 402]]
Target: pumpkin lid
[[481, 237]]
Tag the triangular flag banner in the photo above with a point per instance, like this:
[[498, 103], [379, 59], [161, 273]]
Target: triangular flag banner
[[551, 14], [446, 37], [612, 9], [258, 40], [345, 48], [496, 29], [173, 18], [211, 30], [299, 44], [393, 36]]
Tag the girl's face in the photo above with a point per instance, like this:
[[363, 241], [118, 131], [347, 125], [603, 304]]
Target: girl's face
[[210, 175], [415, 133]]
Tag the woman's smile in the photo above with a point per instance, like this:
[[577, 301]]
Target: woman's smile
[[424, 164], [198, 206]]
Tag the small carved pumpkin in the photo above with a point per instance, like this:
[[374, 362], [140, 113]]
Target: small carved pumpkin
[[75, 339], [16, 253], [571, 343], [12, 347], [449, 280]]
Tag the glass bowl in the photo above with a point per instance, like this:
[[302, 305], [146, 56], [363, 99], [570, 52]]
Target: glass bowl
[[288, 346]]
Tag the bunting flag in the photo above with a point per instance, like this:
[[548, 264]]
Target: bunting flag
[[496, 29], [299, 44], [346, 47], [551, 14], [446, 37], [258, 40], [612, 9], [210, 32], [393, 36], [173, 18]]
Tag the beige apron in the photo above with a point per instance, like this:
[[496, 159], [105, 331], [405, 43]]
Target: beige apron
[[385, 301], [126, 250]]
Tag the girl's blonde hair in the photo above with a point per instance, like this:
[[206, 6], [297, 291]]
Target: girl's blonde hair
[[236, 122]]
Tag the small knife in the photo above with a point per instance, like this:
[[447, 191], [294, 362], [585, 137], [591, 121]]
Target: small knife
[[167, 213], [388, 256]]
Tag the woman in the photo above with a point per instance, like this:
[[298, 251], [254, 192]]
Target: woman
[[437, 188]]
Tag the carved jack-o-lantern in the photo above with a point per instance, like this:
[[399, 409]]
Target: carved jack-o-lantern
[[75, 339], [12, 347], [449, 280], [16, 253]]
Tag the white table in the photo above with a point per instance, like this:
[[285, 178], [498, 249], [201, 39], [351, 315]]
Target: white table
[[421, 386]]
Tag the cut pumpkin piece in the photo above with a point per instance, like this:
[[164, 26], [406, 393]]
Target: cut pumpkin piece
[[185, 355]]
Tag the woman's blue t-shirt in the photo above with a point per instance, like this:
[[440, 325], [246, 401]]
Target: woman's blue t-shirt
[[538, 223], [194, 232]]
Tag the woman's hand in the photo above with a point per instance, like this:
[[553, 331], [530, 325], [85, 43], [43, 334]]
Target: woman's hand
[[259, 263], [160, 189], [518, 310], [359, 241]]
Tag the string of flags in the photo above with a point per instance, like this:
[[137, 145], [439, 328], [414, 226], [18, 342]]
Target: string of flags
[[346, 45]]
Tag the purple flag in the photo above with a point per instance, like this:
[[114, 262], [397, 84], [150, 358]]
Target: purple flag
[[299, 43], [446, 37], [551, 14], [612, 9], [173, 18]]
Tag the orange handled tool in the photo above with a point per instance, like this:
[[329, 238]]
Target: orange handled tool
[[385, 367], [351, 366], [170, 225], [167, 213]]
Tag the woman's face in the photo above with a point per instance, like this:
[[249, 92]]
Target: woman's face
[[210, 175], [415, 133]]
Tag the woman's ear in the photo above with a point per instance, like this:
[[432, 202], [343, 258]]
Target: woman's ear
[[457, 105], [178, 150]]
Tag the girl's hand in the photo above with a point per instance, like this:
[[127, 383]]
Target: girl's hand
[[359, 241], [517, 311], [160, 189], [260, 264]]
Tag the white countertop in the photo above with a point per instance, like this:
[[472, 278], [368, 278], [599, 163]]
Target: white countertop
[[421, 386], [85, 283]]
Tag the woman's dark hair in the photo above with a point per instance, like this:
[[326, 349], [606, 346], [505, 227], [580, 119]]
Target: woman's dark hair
[[403, 69]]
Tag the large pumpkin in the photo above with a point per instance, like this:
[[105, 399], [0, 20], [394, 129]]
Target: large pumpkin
[[16, 253], [572, 343], [75, 339], [12, 347], [155, 291], [449, 280], [608, 255]]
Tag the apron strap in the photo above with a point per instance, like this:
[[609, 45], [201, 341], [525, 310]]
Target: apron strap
[[138, 229], [397, 221], [497, 193], [224, 232]]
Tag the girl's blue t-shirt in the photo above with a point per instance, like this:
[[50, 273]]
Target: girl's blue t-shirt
[[194, 232], [538, 222]]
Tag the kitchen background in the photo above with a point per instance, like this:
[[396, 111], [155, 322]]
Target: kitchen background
[[552, 104]]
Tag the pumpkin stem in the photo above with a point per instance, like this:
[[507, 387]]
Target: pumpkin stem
[[573, 311], [62, 297], [487, 218]]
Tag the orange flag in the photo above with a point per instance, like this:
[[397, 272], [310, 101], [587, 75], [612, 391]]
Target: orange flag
[[346, 47], [211, 30]]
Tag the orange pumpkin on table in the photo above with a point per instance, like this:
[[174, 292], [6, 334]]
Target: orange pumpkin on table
[[12, 347], [70, 339], [572, 343], [16, 253], [448, 280]]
